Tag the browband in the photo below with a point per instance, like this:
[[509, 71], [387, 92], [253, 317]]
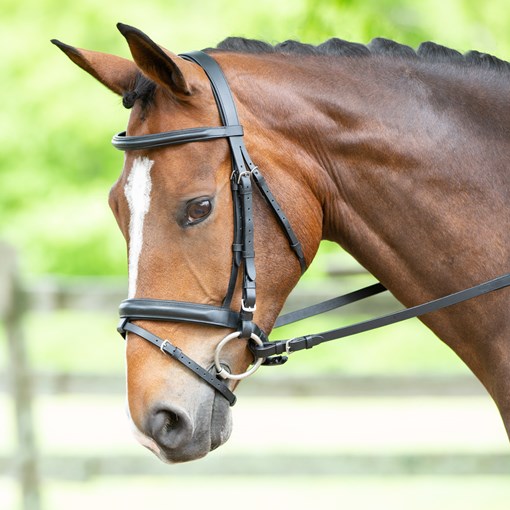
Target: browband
[[131, 143]]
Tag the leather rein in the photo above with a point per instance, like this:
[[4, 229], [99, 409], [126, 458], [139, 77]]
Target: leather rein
[[244, 174]]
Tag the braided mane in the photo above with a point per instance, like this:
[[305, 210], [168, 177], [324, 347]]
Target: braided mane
[[427, 51], [144, 88]]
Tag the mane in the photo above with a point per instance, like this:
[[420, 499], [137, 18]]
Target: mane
[[427, 51], [144, 89]]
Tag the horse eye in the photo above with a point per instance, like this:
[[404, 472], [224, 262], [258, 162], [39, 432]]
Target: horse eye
[[198, 211]]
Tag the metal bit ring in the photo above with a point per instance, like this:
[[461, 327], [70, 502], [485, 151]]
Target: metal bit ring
[[224, 373]]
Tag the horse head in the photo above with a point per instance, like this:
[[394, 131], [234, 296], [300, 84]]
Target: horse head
[[174, 207]]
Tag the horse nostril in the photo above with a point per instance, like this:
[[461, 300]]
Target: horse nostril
[[170, 428], [172, 420]]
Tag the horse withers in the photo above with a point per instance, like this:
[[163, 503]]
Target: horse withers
[[398, 156]]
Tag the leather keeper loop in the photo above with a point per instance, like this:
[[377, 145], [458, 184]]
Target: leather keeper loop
[[247, 328]]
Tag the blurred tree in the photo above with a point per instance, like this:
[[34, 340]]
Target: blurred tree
[[56, 163]]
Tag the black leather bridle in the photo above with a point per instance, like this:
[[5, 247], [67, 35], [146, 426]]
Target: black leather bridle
[[244, 172]]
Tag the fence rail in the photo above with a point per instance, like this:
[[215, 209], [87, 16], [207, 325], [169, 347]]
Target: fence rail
[[12, 309], [52, 383], [86, 467], [49, 294]]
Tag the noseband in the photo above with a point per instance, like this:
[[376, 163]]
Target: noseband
[[244, 173]]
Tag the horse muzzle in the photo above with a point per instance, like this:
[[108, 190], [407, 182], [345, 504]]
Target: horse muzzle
[[176, 435]]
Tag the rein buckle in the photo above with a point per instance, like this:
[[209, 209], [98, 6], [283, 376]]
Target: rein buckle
[[288, 346], [275, 361]]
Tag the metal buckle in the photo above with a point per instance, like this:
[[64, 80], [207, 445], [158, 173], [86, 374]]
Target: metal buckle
[[249, 309], [162, 346], [241, 174], [288, 346]]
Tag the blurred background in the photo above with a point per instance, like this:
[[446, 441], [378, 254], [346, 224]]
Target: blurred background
[[390, 419]]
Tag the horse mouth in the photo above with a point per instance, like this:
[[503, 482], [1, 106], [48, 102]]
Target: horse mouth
[[221, 422], [212, 427]]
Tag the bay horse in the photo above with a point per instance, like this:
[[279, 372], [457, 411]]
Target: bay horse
[[399, 156]]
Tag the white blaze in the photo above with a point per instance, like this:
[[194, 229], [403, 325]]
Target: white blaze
[[138, 195]]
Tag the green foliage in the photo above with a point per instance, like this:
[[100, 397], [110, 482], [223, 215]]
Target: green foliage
[[56, 163]]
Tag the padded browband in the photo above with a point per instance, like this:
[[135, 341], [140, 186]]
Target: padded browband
[[130, 143]]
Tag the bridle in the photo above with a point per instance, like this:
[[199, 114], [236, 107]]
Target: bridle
[[244, 173]]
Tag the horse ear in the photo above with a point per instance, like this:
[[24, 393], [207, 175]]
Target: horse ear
[[116, 73], [156, 63]]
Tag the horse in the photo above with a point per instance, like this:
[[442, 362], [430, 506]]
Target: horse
[[399, 156]]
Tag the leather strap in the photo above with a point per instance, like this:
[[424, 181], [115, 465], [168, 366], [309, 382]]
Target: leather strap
[[163, 310], [243, 171], [309, 341], [219, 85], [131, 143], [168, 348], [181, 311], [237, 247], [330, 304], [280, 216]]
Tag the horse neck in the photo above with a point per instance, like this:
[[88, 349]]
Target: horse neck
[[407, 160], [407, 165]]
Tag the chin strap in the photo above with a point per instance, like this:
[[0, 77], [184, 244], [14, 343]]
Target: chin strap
[[174, 352]]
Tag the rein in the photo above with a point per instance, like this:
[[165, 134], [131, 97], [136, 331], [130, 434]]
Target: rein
[[244, 174]]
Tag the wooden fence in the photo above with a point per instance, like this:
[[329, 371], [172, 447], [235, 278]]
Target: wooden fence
[[104, 293], [12, 309]]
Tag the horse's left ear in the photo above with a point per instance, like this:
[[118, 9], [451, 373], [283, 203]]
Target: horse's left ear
[[158, 64]]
